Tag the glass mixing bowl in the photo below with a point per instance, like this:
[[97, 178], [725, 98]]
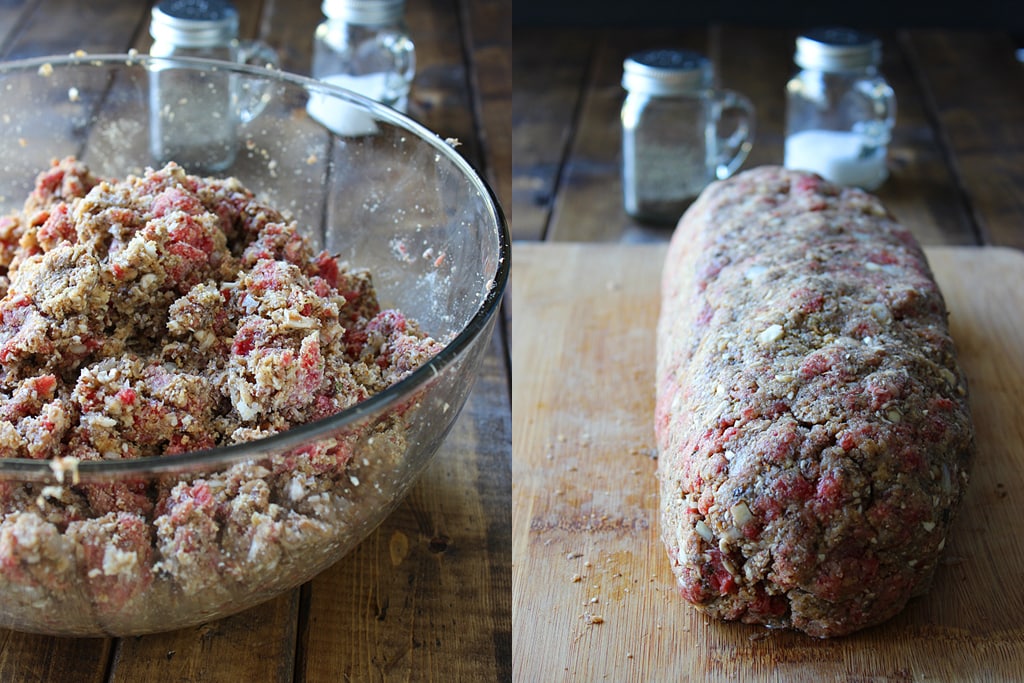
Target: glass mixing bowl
[[232, 526]]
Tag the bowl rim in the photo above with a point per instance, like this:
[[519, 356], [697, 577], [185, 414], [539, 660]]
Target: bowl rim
[[54, 469]]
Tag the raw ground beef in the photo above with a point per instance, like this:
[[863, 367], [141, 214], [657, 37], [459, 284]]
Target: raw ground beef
[[812, 420], [168, 313]]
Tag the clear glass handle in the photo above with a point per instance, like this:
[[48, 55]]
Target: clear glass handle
[[251, 100], [403, 52], [882, 101], [735, 113]]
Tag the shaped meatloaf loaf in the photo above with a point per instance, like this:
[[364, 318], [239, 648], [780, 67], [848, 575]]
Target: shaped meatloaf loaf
[[812, 420]]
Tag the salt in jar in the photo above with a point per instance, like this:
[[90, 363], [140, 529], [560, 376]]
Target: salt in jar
[[840, 110]]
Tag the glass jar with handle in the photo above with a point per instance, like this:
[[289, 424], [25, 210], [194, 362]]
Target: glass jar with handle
[[840, 110], [679, 132], [194, 114], [362, 46]]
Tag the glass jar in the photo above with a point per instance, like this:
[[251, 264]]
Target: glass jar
[[194, 114], [362, 46], [672, 145], [839, 109]]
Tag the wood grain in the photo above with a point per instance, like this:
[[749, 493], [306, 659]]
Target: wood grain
[[455, 577], [49, 28], [488, 37], [588, 206], [11, 15], [287, 27], [566, 168], [593, 595], [757, 62], [975, 89], [441, 98], [922, 189], [31, 657], [428, 595], [255, 645], [549, 68]]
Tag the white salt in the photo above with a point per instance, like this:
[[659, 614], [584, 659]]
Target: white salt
[[842, 157], [350, 119]]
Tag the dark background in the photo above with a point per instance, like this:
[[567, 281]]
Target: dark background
[[1008, 15]]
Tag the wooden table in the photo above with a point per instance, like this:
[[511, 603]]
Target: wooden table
[[956, 161], [442, 612], [593, 598]]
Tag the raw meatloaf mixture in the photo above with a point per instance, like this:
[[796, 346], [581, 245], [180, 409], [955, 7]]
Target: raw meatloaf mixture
[[168, 313], [812, 420]]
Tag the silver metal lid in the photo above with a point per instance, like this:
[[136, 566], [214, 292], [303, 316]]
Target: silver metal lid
[[194, 23], [666, 72], [366, 12], [837, 49]]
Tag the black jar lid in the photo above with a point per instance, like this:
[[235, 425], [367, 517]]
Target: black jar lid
[[194, 23], [666, 71], [837, 49]]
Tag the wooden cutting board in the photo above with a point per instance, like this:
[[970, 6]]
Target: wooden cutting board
[[593, 596]]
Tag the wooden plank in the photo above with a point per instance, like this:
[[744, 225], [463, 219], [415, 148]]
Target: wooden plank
[[585, 497], [427, 596], [756, 62], [12, 12], [287, 27], [549, 69], [31, 657], [976, 87], [255, 645], [440, 98], [588, 206], [994, 182], [921, 190], [581, 526], [972, 76], [55, 27], [488, 36]]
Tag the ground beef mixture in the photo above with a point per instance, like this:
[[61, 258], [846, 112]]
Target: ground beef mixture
[[812, 420], [161, 314]]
